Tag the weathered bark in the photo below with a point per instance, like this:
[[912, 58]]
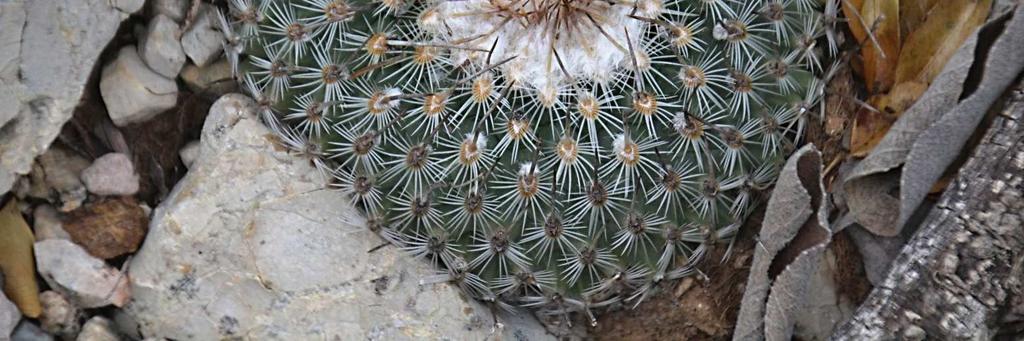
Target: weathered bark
[[955, 277]]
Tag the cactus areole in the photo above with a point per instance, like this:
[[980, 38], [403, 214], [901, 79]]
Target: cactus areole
[[565, 155]]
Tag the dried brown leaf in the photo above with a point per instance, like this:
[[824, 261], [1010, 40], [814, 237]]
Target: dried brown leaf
[[16, 261]]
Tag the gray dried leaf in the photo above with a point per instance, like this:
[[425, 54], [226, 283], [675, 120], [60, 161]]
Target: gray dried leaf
[[939, 146], [880, 194], [794, 234]]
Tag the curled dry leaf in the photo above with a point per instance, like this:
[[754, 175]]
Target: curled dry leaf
[[794, 235], [926, 140], [16, 261], [939, 146], [932, 34], [877, 29]]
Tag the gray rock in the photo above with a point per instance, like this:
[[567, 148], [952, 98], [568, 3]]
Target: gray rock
[[203, 41], [127, 325], [174, 9], [189, 153], [215, 78], [250, 244], [111, 174], [60, 317], [160, 47], [47, 224], [54, 177], [28, 331], [9, 316], [49, 48], [128, 6], [98, 328], [132, 91], [82, 278]]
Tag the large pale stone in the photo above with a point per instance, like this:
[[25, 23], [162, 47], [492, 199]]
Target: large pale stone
[[249, 244], [47, 51], [132, 91]]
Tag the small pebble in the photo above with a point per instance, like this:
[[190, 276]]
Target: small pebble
[[109, 227], [98, 328], [203, 41], [189, 153], [160, 47], [9, 316], [28, 331], [47, 224], [132, 91], [174, 9], [86, 281], [215, 79], [55, 178], [111, 174], [60, 317]]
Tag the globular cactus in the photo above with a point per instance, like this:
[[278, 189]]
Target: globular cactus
[[560, 154]]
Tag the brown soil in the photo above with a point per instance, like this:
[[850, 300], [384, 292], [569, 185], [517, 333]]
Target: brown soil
[[696, 308]]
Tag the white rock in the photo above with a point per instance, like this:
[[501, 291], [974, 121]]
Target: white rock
[[203, 41], [128, 6], [215, 78], [249, 244], [48, 50], [47, 224], [174, 9], [160, 47], [82, 278], [132, 91], [111, 174], [98, 328], [59, 317], [28, 331], [9, 316], [189, 153]]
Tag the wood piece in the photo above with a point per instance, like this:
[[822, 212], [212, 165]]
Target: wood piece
[[955, 277]]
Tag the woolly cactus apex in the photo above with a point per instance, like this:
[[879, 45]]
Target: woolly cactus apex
[[559, 154]]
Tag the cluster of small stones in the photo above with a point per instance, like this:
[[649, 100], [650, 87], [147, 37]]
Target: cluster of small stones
[[565, 155]]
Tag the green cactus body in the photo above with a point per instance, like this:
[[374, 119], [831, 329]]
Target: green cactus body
[[560, 154]]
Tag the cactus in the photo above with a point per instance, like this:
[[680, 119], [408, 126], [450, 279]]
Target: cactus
[[566, 155]]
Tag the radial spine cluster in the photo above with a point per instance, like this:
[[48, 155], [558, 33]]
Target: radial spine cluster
[[566, 155]]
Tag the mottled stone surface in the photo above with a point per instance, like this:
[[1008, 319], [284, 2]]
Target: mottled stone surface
[[132, 91], [111, 174], [82, 278], [203, 42], [109, 227], [250, 244], [9, 316], [98, 328], [55, 178], [47, 225], [59, 317], [49, 49], [160, 47]]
